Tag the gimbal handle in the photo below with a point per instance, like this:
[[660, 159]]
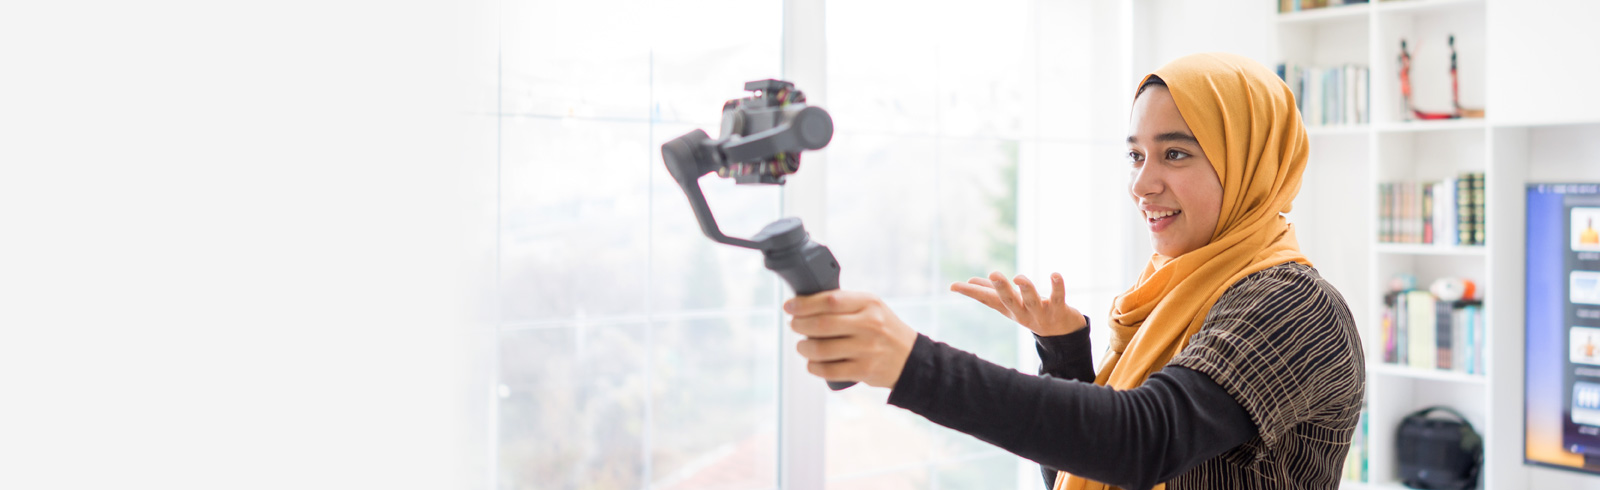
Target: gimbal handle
[[809, 267]]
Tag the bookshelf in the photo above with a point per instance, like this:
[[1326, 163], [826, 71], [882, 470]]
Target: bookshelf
[[1525, 137]]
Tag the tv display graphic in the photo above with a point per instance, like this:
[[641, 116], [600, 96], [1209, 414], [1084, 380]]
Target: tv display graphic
[[1562, 394], [1585, 231]]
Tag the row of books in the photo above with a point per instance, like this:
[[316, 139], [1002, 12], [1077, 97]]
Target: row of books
[[1422, 332], [1285, 6], [1446, 212], [1329, 95], [1355, 461]]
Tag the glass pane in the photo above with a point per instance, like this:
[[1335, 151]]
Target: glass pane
[[1073, 101], [970, 326], [882, 198], [977, 208], [865, 434], [1084, 245], [715, 401], [993, 472], [576, 59], [882, 52], [703, 56], [575, 223], [982, 69], [973, 327], [688, 270], [905, 479], [572, 407]]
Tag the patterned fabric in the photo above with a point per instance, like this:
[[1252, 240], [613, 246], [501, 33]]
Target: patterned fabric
[[1283, 343]]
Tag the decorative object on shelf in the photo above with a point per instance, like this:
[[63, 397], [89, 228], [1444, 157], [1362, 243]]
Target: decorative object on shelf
[[1438, 453], [1453, 289], [1448, 212], [1457, 111], [1402, 282]]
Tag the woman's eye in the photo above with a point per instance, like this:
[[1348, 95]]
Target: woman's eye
[[1134, 157], [1176, 155]]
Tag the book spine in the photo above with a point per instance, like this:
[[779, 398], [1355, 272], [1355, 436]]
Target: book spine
[[1402, 321], [1444, 344], [1446, 218], [1386, 334], [1423, 331], [1461, 343], [1478, 211], [1350, 94], [1383, 212], [1478, 333], [1464, 220], [1427, 213]]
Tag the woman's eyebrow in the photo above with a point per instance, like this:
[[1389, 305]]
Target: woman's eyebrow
[[1169, 136]]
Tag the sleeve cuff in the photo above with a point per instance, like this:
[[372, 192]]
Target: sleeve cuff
[[1059, 353], [916, 386]]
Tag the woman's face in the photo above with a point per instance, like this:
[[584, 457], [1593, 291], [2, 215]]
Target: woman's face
[[1173, 185]]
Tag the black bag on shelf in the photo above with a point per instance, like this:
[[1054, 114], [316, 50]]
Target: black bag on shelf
[[1438, 453]]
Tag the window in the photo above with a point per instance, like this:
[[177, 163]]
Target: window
[[946, 117], [635, 353]]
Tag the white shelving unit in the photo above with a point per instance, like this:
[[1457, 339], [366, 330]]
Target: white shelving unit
[[1336, 215]]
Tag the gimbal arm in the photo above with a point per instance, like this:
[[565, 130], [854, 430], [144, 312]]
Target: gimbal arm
[[809, 267]]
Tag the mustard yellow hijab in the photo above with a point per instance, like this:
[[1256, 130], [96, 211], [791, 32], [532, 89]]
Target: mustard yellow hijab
[[1247, 124]]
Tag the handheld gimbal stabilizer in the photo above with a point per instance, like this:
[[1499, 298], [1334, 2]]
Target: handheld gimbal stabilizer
[[762, 137]]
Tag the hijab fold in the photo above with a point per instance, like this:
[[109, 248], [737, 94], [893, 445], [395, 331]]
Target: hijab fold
[[1245, 119]]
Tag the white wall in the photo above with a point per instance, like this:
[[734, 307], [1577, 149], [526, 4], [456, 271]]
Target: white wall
[[1165, 30], [246, 246]]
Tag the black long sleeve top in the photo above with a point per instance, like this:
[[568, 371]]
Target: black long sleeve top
[[1062, 420], [1267, 393]]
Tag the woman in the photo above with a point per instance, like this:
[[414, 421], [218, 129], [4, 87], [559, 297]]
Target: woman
[[1233, 364]]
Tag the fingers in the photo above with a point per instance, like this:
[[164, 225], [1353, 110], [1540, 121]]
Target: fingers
[[1058, 289], [981, 282], [828, 350], [1008, 295], [828, 302], [983, 294], [1020, 311], [838, 370], [825, 326], [1030, 295]]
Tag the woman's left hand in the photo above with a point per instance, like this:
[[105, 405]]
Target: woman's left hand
[[852, 336]]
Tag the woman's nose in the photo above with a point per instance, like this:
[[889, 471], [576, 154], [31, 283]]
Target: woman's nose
[[1146, 181]]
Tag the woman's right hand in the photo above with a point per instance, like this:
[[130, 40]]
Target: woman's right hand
[[1045, 317]]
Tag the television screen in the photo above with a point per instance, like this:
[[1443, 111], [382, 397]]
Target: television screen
[[1563, 326]]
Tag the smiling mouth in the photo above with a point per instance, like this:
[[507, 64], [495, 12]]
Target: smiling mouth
[[1159, 220], [1154, 217]]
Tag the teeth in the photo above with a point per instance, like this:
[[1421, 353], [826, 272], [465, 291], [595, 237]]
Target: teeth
[[1155, 215]]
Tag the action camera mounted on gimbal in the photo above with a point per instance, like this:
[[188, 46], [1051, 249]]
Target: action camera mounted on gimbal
[[762, 137]]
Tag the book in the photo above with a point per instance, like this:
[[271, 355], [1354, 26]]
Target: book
[[1444, 215], [1478, 232], [1444, 344], [1428, 213], [1464, 210], [1330, 95], [1422, 344], [1386, 336], [1420, 331], [1446, 212]]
